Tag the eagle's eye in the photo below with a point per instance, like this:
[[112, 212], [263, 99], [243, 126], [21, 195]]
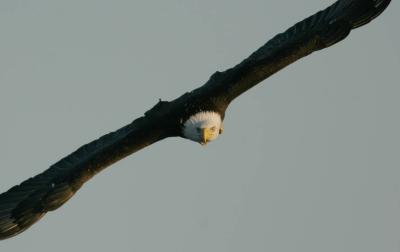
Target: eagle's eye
[[198, 130], [213, 128]]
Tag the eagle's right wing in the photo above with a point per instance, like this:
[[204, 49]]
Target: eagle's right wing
[[24, 204]]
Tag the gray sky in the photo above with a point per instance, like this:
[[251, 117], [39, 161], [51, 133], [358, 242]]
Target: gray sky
[[309, 160]]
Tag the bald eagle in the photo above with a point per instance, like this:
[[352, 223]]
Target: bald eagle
[[197, 115]]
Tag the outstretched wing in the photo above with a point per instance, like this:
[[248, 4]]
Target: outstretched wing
[[316, 32], [24, 204]]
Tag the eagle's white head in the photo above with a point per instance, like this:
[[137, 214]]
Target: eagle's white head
[[203, 127]]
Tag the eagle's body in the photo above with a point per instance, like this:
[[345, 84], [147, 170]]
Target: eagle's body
[[196, 115]]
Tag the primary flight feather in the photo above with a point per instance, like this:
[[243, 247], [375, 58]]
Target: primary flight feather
[[197, 115]]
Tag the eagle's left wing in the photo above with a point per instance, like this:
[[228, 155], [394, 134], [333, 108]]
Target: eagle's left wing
[[319, 31]]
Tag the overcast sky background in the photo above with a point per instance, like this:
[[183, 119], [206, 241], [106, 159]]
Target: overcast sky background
[[309, 160]]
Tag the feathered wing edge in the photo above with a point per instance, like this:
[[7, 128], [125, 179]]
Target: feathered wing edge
[[319, 31], [24, 204]]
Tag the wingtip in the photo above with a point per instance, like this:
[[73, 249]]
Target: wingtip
[[368, 10]]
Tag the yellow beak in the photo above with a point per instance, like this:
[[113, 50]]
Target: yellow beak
[[205, 135]]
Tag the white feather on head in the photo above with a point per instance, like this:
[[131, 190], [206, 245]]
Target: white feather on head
[[202, 120]]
